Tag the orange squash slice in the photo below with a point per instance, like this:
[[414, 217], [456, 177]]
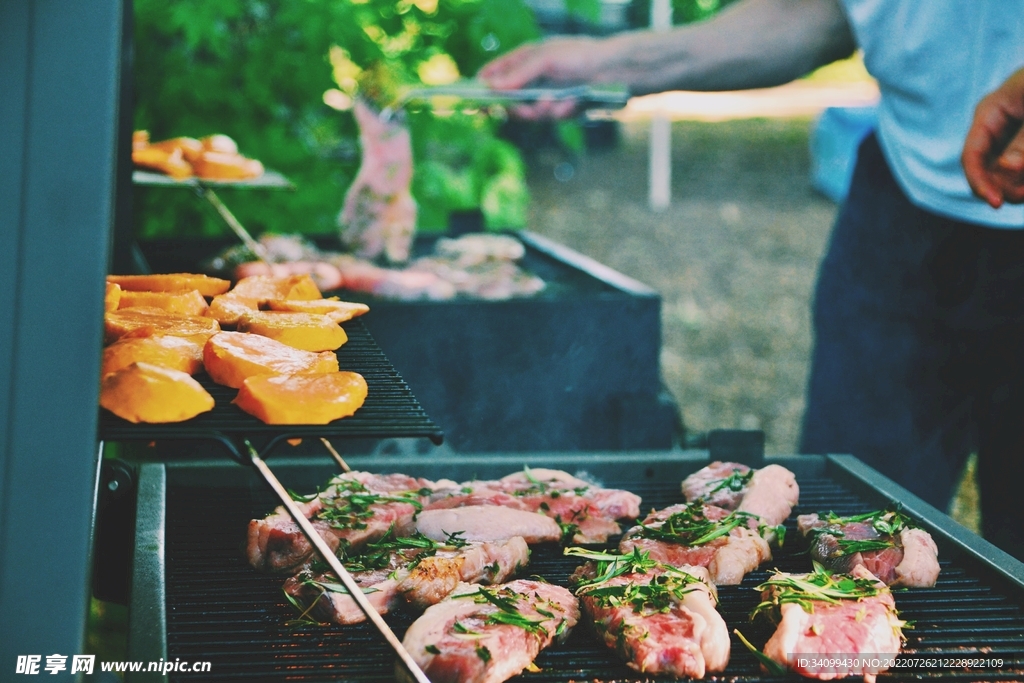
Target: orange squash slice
[[176, 353], [178, 303], [265, 287], [172, 282], [338, 311], [231, 357], [149, 393], [315, 399], [228, 308], [145, 322], [306, 331], [112, 297]]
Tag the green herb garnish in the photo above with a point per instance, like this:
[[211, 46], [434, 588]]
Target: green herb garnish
[[691, 527], [888, 523], [349, 506], [736, 482], [668, 586], [773, 667], [483, 653], [505, 600], [821, 585]]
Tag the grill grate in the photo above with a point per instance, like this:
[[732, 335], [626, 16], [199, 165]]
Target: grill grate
[[220, 610], [390, 409]]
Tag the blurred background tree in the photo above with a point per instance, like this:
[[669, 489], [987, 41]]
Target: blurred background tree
[[277, 76]]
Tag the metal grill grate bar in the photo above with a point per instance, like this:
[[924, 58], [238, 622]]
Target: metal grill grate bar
[[219, 609]]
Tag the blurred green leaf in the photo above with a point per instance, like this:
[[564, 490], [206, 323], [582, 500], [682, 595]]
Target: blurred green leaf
[[257, 70], [570, 134], [588, 10]]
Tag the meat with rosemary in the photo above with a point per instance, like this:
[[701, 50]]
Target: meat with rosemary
[[488, 635], [885, 542], [587, 513], [658, 618], [728, 544], [354, 509], [825, 619], [394, 571], [770, 492]]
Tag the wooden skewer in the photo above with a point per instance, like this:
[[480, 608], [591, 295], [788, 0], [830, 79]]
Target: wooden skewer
[[236, 226], [336, 566], [336, 455]]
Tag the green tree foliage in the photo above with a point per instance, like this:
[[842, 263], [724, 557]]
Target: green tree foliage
[[257, 70], [683, 11]]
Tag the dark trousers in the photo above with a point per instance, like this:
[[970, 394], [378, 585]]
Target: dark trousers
[[919, 349]]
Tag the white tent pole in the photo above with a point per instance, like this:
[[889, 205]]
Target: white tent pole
[[660, 156]]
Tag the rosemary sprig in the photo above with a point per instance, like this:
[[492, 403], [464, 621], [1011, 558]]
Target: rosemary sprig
[[378, 555], [736, 482], [888, 523], [691, 527], [349, 506], [773, 667], [610, 565], [505, 600], [658, 595], [820, 585]]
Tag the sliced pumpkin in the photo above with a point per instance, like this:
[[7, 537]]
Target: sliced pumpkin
[[228, 308], [112, 297], [145, 322], [316, 398], [143, 392], [265, 287], [172, 282], [166, 351], [231, 357], [338, 311], [179, 303], [306, 331]]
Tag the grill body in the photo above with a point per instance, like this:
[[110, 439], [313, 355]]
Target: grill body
[[196, 599]]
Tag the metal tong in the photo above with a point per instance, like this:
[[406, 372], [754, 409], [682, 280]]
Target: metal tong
[[585, 96]]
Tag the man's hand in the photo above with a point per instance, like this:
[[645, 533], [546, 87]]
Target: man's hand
[[993, 157], [554, 62]]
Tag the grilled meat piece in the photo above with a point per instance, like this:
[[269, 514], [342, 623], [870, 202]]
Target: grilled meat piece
[[355, 509], [866, 622], [487, 523], [588, 511], [720, 483], [883, 542], [728, 544], [379, 216], [770, 492], [661, 621], [413, 570], [488, 635]]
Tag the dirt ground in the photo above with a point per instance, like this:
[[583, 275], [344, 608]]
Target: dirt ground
[[734, 257]]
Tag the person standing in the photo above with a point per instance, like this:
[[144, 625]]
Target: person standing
[[919, 304]]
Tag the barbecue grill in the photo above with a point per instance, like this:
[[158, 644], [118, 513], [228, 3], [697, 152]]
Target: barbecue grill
[[192, 595], [196, 599]]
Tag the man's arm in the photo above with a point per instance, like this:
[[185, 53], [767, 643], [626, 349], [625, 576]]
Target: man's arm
[[993, 156], [752, 44]]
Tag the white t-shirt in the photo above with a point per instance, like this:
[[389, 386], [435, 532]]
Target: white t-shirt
[[934, 61]]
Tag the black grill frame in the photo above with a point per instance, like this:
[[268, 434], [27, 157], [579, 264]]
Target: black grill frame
[[219, 609]]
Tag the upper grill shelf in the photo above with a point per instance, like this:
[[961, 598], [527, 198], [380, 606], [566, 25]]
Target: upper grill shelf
[[390, 409]]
